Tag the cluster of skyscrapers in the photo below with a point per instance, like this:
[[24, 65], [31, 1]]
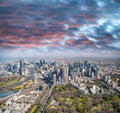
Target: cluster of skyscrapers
[[67, 70], [57, 71]]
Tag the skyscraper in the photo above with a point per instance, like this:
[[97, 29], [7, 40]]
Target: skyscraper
[[22, 67], [71, 71], [22, 63], [61, 74], [54, 79]]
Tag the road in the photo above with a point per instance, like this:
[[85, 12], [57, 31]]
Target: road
[[45, 99], [21, 82], [32, 88], [7, 97], [23, 91]]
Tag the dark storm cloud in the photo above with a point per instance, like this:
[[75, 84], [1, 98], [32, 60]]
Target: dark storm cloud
[[60, 24]]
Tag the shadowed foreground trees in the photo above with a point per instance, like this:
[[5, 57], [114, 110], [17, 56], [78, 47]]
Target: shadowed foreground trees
[[72, 101]]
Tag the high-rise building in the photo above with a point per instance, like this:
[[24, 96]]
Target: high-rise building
[[14, 69], [67, 71], [22, 63], [95, 71], [54, 79], [8, 67], [61, 75], [22, 67], [71, 71], [41, 63]]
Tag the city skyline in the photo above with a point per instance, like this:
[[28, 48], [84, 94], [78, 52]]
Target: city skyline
[[59, 28]]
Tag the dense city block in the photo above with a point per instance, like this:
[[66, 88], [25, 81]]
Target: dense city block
[[60, 85]]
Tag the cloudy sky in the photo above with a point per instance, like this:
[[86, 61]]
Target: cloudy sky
[[59, 28]]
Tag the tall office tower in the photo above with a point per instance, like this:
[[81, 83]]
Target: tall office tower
[[65, 70], [37, 65], [50, 75], [92, 70], [56, 70], [75, 64], [89, 74], [79, 64], [59, 80], [41, 63], [22, 67], [14, 69], [22, 63], [54, 79], [8, 67], [85, 63], [82, 72], [92, 75], [95, 72], [80, 69], [61, 74], [71, 71]]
